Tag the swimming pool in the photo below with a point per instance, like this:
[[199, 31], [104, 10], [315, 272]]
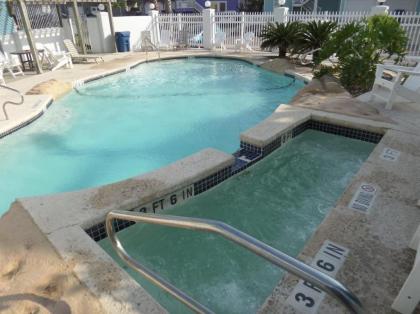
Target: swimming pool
[[280, 200], [138, 121]]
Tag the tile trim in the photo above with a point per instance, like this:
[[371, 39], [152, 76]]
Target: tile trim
[[249, 154]]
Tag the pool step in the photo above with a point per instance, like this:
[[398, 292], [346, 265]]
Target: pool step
[[243, 159]]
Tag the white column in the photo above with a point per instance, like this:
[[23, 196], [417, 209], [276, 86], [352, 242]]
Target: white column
[[379, 9], [209, 28], [155, 26], [179, 22], [280, 14], [242, 26]]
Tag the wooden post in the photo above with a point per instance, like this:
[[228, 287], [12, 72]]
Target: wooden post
[[60, 19], [79, 26], [29, 35], [111, 23]]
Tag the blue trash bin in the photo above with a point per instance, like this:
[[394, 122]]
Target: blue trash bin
[[122, 39]]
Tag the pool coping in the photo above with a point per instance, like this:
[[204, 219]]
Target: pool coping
[[68, 236]]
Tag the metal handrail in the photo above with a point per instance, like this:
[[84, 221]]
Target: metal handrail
[[276, 257], [22, 99]]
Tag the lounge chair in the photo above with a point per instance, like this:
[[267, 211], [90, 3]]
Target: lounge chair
[[183, 40], [165, 40], [219, 40], [245, 44], [12, 65], [397, 80], [57, 60], [77, 57], [146, 43], [2, 81]]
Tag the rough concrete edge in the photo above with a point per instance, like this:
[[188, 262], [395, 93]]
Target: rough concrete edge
[[60, 210], [79, 249], [286, 117], [283, 119], [116, 290]]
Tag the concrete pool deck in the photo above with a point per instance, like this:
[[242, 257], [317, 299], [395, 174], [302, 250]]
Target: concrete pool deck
[[376, 266]]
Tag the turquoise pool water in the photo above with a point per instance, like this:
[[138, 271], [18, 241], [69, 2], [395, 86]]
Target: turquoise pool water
[[131, 123], [280, 201]]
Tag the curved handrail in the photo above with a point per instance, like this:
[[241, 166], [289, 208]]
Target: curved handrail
[[276, 257], [22, 99]]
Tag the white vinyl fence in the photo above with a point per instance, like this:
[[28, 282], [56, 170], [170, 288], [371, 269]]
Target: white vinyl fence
[[178, 25], [340, 18], [410, 22], [236, 24]]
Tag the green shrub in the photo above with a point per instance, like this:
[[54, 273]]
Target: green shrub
[[359, 46]]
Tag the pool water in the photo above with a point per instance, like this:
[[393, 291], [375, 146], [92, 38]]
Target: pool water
[[131, 123], [280, 201]]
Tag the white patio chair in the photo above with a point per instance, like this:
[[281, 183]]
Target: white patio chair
[[54, 60], [165, 40], [58, 60], [404, 82], [146, 43], [246, 43], [409, 295], [2, 81], [11, 64], [219, 40]]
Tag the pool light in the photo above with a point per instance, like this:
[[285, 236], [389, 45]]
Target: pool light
[[207, 4]]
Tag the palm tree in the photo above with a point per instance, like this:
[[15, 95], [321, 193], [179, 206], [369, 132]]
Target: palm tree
[[315, 34], [168, 6], [282, 36]]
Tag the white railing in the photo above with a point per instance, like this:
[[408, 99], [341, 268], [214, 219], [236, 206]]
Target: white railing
[[179, 25], [410, 22], [339, 17], [236, 25]]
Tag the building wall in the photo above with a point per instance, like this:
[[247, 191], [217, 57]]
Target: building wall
[[100, 32], [269, 5], [365, 5], [329, 5]]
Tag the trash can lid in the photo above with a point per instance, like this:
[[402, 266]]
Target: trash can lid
[[122, 34]]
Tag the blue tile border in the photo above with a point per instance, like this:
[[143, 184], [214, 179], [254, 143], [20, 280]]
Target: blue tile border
[[246, 156]]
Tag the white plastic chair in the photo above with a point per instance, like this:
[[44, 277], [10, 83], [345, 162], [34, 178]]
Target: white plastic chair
[[57, 60], [405, 82], [2, 81], [245, 43], [12, 65], [146, 43], [409, 295], [219, 40], [165, 39]]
